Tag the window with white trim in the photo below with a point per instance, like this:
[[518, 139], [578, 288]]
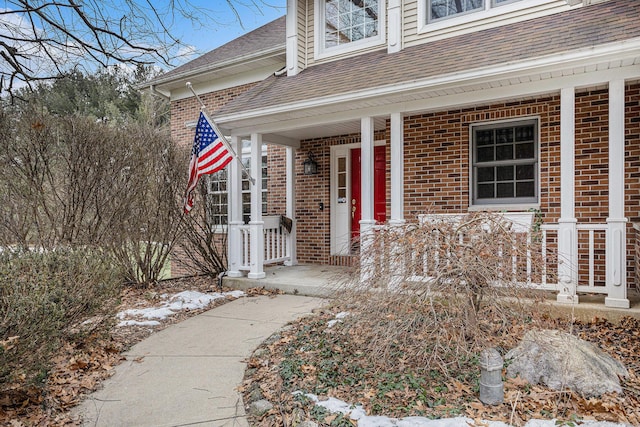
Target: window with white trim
[[217, 197], [505, 163], [349, 24], [441, 9]]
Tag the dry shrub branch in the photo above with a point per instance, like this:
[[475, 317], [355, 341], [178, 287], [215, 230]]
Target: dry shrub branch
[[87, 205], [203, 245], [43, 298], [74, 182], [442, 289]]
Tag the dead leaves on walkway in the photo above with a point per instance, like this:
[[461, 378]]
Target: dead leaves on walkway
[[83, 364]]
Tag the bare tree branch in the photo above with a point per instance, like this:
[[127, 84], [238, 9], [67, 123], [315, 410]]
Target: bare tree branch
[[41, 40]]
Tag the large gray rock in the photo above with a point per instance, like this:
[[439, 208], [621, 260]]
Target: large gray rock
[[560, 360], [260, 407]]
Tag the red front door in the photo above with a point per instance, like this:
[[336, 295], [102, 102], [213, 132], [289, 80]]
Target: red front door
[[379, 188]]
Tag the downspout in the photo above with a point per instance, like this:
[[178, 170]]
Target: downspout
[[306, 34], [152, 89]]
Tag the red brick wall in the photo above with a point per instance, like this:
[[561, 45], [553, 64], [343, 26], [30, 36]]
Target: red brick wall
[[632, 175], [437, 166], [635, 266], [314, 237], [276, 180], [437, 155], [186, 110]]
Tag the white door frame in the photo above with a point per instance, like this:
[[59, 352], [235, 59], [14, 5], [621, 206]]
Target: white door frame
[[341, 212]]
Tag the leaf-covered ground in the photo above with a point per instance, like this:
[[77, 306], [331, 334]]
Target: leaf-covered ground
[[313, 357], [83, 364]]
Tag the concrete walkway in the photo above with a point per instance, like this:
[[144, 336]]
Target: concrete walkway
[[187, 373]]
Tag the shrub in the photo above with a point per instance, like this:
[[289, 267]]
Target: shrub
[[203, 247], [73, 182], [43, 294], [439, 291]]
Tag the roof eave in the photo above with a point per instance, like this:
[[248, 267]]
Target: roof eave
[[591, 54], [213, 67]]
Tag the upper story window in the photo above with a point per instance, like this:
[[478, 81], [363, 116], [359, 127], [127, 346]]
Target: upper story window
[[505, 163], [348, 24], [440, 9], [445, 18]]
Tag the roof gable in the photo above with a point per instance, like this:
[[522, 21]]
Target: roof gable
[[582, 28], [266, 38]]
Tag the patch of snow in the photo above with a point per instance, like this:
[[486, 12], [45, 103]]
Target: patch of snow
[[337, 319], [125, 323], [357, 413], [186, 300]]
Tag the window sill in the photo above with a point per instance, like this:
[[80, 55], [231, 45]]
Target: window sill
[[496, 15], [513, 207], [349, 48]]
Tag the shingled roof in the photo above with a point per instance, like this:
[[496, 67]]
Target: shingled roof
[[266, 38], [577, 29]]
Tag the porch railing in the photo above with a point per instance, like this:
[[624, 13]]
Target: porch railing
[[536, 266], [591, 256], [276, 243]]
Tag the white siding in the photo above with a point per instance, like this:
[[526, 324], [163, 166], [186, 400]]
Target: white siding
[[310, 30], [410, 19], [302, 34], [413, 33]]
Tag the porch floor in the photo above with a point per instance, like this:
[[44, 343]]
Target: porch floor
[[304, 279], [322, 280]]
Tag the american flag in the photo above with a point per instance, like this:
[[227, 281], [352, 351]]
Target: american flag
[[209, 155]]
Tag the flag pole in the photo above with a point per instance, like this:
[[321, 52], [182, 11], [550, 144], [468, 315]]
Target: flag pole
[[221, 135]]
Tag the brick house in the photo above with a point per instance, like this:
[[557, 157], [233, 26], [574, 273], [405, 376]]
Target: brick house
[[439, 106]]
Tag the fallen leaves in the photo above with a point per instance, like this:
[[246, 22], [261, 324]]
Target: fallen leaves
[[329, 364], [82, 364]]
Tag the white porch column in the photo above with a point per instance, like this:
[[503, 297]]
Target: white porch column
[[397, 169], [366, 198], [291, 205], [617, 223], [567, 233], [234, 212], [397, 220], [256, 225]]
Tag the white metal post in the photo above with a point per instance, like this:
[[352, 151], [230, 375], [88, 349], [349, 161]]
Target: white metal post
[[366, 198], [234, 212], [256, 225], [394, 26], [291, 205], [567, 229], [292, 37], [617, 223]]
